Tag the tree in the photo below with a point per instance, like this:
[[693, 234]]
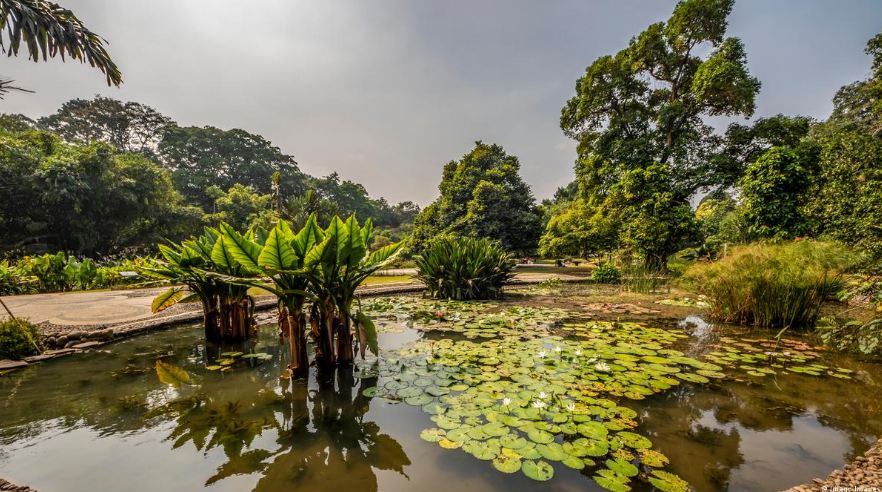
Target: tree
[[744, 144], [130, 126], [204, 157], [846, 194], [645, 104], [651, 220], [240, 206], [87, 199], [48, 30], [482, 195], [773, 191]]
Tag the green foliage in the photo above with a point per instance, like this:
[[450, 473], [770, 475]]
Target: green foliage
[[129, 126], [606, 273], [645, 104], [203, 157], [86, 199], [463, 268], [209, 269], [772, 285], [846, 194], [773, 190], [48, 30], [18, 339], [482, 195], [240, 207], [852, 336]]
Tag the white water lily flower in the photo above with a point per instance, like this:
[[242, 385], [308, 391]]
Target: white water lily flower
[[593, 359], [538, 404], [540, 354], [506, 401], [577, 353], [557, 349], [542, 395], [571, 406], [602, 366]]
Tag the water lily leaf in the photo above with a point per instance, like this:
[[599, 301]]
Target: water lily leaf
[[622, 467], [448, 444], [540, 436], [372, 392], [634, 441], [593, 430], [432, 435], [574, 462], [552, 451], [507, 461], [537, 470], [512, 441], [668, 482], [419, 400]]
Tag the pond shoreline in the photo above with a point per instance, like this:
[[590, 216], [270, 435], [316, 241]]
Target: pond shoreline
[[76, 339], [863, 474]]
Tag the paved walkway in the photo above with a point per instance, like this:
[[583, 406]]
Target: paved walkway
[[109, 307]]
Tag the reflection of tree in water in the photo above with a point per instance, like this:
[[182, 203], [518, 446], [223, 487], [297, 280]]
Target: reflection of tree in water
[[711, 453], [322, 436]]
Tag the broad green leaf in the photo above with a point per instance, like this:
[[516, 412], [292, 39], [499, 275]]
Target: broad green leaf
[[167, 299], [369, 331], [243, 250], [277, 253], [221, 256]]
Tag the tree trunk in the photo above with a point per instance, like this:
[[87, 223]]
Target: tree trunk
[[297, 343], [322, 321], [344, 340]]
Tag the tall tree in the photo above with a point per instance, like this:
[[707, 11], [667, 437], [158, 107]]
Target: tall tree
[[48, 30], [208, 156], [130, 126], [645, 104], [483, 195]]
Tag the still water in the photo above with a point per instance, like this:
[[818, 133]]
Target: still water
[[103, 420]]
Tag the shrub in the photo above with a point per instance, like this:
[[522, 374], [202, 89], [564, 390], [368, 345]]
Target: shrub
[[852, 336], [606, 273], [18, 339], [771, 285], [463, 268]]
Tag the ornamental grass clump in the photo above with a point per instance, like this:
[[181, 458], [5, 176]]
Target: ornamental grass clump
[[772, 285], [463, 268]]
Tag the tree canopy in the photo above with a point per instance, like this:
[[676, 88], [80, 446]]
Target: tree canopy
[[482, 195]]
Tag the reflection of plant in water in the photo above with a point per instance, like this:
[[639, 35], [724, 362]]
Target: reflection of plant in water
[[335, 447], [321, 433]]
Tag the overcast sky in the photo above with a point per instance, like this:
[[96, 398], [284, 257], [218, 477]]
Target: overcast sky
[[385, 92]]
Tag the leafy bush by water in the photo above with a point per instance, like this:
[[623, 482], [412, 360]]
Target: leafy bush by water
[[852, 336], [771, 285], [606, 273], [18, 339], [463, 268]]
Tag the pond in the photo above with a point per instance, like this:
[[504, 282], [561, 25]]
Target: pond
[[538, 393]]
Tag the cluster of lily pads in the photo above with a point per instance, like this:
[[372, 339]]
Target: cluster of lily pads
[[228, 359], [760, 358], [523, 398]]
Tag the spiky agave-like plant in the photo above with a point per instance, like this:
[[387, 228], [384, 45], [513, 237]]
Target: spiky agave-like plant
[[464, 268]]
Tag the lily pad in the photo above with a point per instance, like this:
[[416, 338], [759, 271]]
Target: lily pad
[[537, 470]]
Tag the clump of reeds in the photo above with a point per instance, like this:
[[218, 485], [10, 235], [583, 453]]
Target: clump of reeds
[[779, 285]]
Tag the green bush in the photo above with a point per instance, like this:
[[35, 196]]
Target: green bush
[[18, 339], [606, 273], [852, 336], [13, 281], [771, 285], [463, 268]]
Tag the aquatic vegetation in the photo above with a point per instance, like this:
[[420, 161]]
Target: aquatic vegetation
[[464, 268], [206, 267], [771, 285], [699, 302], [606, 273], [526, 396]]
